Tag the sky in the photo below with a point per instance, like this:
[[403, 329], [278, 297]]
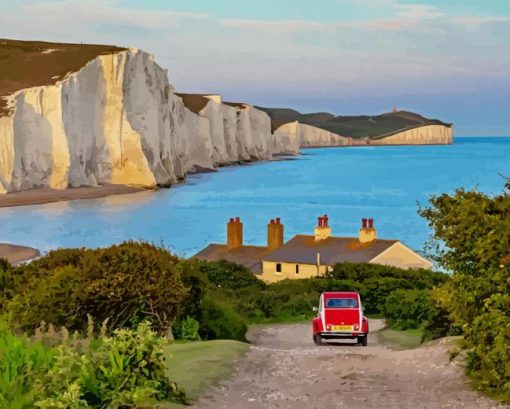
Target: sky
[[446, 59]]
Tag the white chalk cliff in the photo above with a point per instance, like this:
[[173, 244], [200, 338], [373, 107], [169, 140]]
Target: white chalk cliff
[[296, 135], [423, 135], [118, 120]]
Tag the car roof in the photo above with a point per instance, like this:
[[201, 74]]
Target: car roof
[[340, 294]]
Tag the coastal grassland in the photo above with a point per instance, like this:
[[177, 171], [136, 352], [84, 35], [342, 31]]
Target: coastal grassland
[[26, 64], [195, 366]]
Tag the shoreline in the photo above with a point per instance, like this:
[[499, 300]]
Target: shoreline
[[47, 195]]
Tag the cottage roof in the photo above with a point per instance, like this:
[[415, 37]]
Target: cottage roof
[[247, 256], [303, 249]]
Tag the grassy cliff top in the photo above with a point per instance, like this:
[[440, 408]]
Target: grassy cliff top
[[25, 64], [375, 126]]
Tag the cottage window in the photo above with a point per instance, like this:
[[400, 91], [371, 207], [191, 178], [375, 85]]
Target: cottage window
[[278, 267], [297, 268]]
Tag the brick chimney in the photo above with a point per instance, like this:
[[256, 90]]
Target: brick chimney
[[234, 233], [274, 234], [367, 233], [322, 231]]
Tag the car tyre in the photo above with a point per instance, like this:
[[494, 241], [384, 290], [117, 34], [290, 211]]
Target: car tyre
[[317, 339], [363, 340]]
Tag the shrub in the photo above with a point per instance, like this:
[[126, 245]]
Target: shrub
[[471, 232], [125, 284], [221, 322], [124, 370], [189, 329], [224, 274]]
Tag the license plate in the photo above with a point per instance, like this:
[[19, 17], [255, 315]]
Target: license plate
[[342, 328]]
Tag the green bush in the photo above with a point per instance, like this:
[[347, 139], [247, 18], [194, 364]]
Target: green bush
[[124, 370], [471, 236], [190, 329], [126, 284], [220, 321], [224, 274]]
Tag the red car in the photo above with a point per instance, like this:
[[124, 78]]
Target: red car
[[340, 316]]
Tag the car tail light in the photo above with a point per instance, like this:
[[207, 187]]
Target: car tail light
[[356, 327], [328, 327]]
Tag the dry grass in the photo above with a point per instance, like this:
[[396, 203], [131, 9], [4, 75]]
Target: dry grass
[[25, 64], [194, 102]]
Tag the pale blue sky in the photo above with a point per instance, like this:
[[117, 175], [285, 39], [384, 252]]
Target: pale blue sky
[[445, 59]]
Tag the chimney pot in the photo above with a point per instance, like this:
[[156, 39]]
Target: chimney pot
[[325, 218], [231, 220], [238, 220], [274, 234], [370, 223], [364, 223], [319, 222]]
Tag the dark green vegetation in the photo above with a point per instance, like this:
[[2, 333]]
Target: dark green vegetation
[[25, 64], [123, 284], [376, 126], [472, 239]]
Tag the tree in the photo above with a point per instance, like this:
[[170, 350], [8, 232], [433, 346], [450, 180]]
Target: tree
[[471, 238]]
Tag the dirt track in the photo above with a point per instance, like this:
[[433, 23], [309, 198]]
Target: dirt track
[[284, 369]]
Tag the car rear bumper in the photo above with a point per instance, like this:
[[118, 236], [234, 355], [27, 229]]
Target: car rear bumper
[[341, 335]]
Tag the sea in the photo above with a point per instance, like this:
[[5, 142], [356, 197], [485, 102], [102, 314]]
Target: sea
[[386, 183]]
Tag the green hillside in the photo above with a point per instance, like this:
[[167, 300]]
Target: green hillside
[[376, 126]]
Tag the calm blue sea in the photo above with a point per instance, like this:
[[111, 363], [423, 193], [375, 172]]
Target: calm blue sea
[[386, 183]]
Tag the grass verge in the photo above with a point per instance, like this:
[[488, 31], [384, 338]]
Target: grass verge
[[195, 366], [398, 339]]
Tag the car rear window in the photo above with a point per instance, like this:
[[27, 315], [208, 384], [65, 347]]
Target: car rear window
[[341, 303]]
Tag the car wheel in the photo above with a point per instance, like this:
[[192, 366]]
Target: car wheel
[[317, 339], [363, 340]]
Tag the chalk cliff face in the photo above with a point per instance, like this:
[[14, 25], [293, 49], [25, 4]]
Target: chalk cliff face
[[295, 135], [117, 120], [423, 135]]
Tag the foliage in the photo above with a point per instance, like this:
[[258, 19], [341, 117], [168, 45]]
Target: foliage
[[407, 309], [189, 329], [220, 321], [292, 300], [417, 309], [472, 239], [224, 274], [121, 371], [126, 284]]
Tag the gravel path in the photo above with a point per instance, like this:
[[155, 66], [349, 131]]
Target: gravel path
[[285, 370]]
